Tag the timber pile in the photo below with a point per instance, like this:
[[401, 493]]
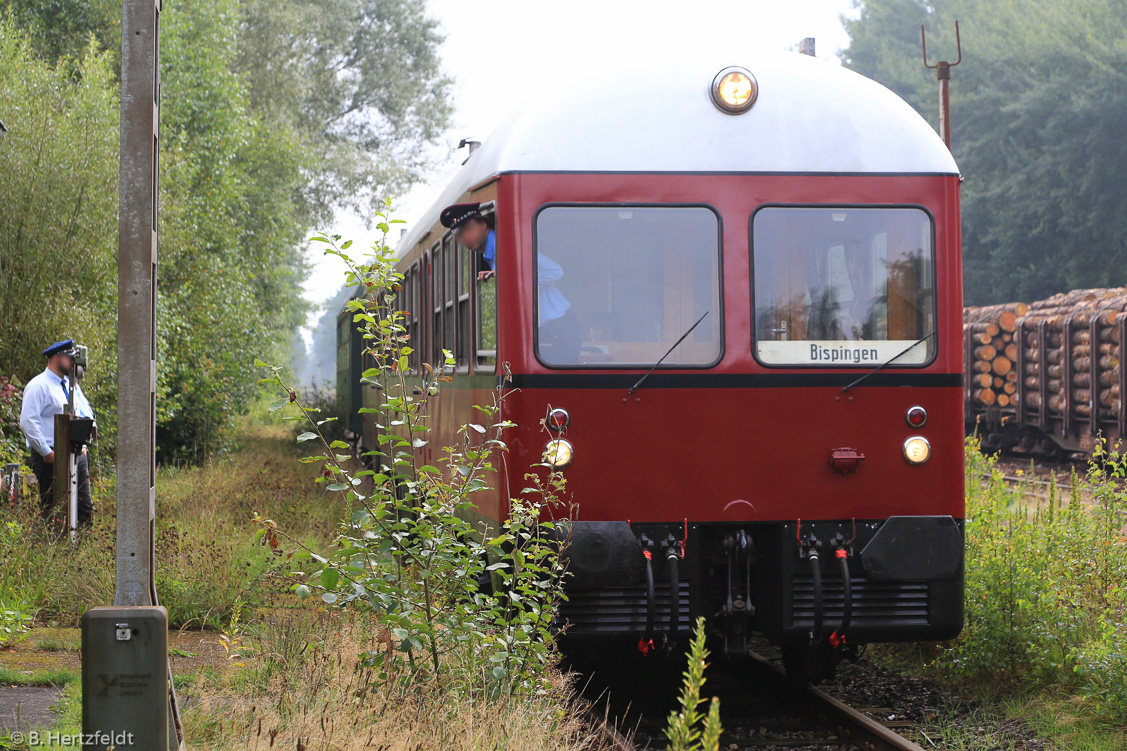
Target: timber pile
[[994, 342], [1071, 314], [992, 331]]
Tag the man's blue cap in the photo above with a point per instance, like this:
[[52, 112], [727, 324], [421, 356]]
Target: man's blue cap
[[66, 346]]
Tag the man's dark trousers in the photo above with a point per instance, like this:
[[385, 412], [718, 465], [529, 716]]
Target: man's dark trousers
[[45, 475]]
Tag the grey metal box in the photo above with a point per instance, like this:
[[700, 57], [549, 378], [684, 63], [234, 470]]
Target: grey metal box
[[125, 677]]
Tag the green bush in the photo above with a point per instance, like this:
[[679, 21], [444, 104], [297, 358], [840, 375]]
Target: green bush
[[15, 623], [321, 402], [272, 115], [407, 552], [12, 446], [1046, 582], [689, 729]]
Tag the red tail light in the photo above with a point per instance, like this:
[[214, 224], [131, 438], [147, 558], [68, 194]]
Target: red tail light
[[916, 416], [558, 419]]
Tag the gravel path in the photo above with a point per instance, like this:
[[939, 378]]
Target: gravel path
[[26, 707]]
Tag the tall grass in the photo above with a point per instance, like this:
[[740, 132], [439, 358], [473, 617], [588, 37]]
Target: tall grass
[[208, 563], [1046, 584], [295, 670], [305, 684]]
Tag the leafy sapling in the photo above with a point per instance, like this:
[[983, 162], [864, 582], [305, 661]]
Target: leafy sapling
[[407, 550]]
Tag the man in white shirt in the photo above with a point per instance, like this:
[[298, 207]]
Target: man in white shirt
[[44, 397]]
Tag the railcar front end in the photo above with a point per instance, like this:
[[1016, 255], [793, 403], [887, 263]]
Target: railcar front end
[[741, 309], [795, 465]]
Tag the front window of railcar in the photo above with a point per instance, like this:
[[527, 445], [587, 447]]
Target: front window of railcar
[[843, 287], [617, 286]]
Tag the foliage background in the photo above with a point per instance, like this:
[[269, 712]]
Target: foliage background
[[1037, 111], [58, 225], [1046, 606], [273, 117]]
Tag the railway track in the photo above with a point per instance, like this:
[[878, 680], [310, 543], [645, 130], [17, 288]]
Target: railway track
[[851, 725], [760, 709]]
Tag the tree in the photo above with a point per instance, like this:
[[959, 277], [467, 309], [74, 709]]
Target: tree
[[1037, 120], [358, 82], [272, 116], [58, 212], [885, 46], [63, 28], [229, 265]]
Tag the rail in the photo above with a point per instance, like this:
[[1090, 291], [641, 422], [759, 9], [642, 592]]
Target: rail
[[851, 725]]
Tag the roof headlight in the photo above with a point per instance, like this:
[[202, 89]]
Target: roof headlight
[[558, 453], [917, 450], [734, 90]]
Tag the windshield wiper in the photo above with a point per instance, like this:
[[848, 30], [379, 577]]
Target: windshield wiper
[[667, 353], [890, 360]]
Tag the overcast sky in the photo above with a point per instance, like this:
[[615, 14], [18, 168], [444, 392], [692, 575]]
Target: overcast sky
[[496, 50]]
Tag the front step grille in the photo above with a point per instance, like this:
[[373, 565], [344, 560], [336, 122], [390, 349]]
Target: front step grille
[[875, 603], [621, 610]]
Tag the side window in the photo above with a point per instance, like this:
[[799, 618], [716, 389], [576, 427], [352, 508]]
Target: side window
[[450, 278], [418, 311], [410, 303], [487, 324], [462, 326], [408, 306], [436, 297]]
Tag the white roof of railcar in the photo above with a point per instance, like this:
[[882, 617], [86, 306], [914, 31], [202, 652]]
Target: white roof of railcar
[[811, 116]]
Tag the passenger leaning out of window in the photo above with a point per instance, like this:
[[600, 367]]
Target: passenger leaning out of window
[[558, 329]]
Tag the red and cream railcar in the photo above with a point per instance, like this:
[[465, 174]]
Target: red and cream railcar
[[794, 464]]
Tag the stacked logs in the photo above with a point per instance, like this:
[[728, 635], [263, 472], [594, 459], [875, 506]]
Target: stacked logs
[[992, 343], [992, 350], [1072, 314]]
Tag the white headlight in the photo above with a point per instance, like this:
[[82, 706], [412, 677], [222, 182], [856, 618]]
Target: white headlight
[[917, 450], [558, 453], [734, 90]]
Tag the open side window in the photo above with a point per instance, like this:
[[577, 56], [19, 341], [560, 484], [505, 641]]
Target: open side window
[[484, 302]]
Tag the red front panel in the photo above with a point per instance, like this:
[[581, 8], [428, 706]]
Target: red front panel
[[750, 454], [738, 441]]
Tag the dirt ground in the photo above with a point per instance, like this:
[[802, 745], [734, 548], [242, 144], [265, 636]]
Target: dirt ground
[[25, 707]]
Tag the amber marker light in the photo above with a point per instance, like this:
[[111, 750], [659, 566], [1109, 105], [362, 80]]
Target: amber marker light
[[558, 453], [734, 90], [917, 450]]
